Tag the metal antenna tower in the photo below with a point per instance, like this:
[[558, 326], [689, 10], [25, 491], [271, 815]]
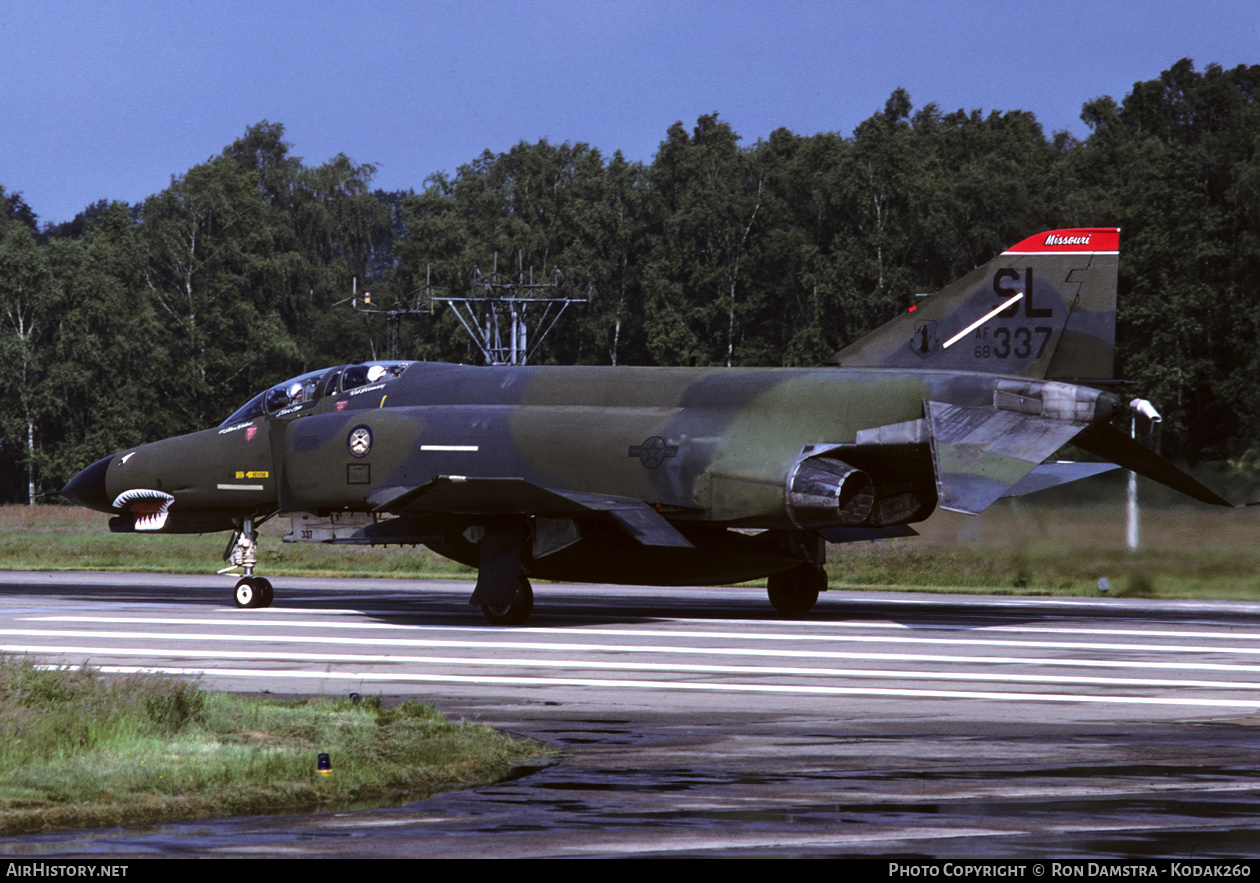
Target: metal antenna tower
[[497, 316], [393, 316]]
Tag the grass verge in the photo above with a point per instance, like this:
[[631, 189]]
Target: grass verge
[[55, 537], [1017, 547], [78, 749]]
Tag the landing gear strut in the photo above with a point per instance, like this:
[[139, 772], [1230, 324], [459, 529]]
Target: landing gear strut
[[503, 591], [251, 591]]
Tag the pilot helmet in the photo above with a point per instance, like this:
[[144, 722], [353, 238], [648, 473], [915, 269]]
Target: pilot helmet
[[375, 373]]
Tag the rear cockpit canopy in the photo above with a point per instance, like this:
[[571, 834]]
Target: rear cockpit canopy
[[297, 391]]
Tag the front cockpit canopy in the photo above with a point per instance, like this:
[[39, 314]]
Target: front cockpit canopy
[[305, 388]]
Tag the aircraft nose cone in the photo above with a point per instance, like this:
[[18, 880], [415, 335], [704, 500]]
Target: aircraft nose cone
[[87, 489]]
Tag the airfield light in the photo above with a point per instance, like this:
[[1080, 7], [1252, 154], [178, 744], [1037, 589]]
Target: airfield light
[[324, 766]]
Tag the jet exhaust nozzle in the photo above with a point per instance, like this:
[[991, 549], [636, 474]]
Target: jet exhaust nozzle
[[824, 492]]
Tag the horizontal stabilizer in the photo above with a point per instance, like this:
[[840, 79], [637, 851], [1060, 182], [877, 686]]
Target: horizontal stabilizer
[[1055, 473], [1111, 444], [461, 495]]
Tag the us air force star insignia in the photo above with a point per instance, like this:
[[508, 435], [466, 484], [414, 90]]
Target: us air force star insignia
[[653, 451], [359, 442]]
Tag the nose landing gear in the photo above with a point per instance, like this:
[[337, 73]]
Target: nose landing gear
[[251, 591]]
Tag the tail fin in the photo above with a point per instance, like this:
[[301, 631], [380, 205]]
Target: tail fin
[[1045, 308]]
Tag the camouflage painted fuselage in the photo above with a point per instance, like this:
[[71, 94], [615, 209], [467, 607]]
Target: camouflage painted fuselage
[[709, 449], [716, 445]]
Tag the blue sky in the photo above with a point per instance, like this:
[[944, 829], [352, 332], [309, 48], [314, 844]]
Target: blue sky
[[108, 100]]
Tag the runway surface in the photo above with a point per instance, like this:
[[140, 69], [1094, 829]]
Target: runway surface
[[695, 722]]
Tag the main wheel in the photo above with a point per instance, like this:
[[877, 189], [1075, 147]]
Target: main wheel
[[795, 592], [511, 614], [252, 592]]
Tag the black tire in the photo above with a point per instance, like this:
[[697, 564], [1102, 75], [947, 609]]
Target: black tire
[[266, 593], [511, 614], [247, 594], [795, 592]]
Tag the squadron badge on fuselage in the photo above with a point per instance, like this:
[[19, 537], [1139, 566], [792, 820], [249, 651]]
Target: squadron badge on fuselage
[[359, 442]]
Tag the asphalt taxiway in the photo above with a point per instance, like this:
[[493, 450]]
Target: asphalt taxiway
[[695, 722]]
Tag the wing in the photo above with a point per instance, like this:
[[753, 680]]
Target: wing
[[980, 454], [1053, 473], [468, 495]]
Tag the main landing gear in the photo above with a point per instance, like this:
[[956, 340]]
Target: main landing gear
[[515, 612], [795, 592], [503, 591], [251, 591]]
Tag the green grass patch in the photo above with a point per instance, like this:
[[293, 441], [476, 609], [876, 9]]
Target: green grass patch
[[57, 537], [78, 749], [1020, 548], [1017, 547]]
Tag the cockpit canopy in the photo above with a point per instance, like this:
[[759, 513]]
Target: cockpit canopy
[[315, 385]]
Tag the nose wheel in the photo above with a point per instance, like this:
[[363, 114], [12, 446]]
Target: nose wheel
[[253, 591]]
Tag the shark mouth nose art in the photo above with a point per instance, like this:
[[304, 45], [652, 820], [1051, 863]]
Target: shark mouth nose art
[[148, 506]]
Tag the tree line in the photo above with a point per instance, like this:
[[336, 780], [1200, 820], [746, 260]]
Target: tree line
[[136, 322]]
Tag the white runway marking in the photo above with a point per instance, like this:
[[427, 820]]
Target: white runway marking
[[679, 685], [893, 674], [757, 658], [685, 650], [749, 634]]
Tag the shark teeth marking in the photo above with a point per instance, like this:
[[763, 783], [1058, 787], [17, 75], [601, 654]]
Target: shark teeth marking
[[148, 506]]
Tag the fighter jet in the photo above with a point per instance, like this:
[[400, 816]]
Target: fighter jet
[[669, 476]]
